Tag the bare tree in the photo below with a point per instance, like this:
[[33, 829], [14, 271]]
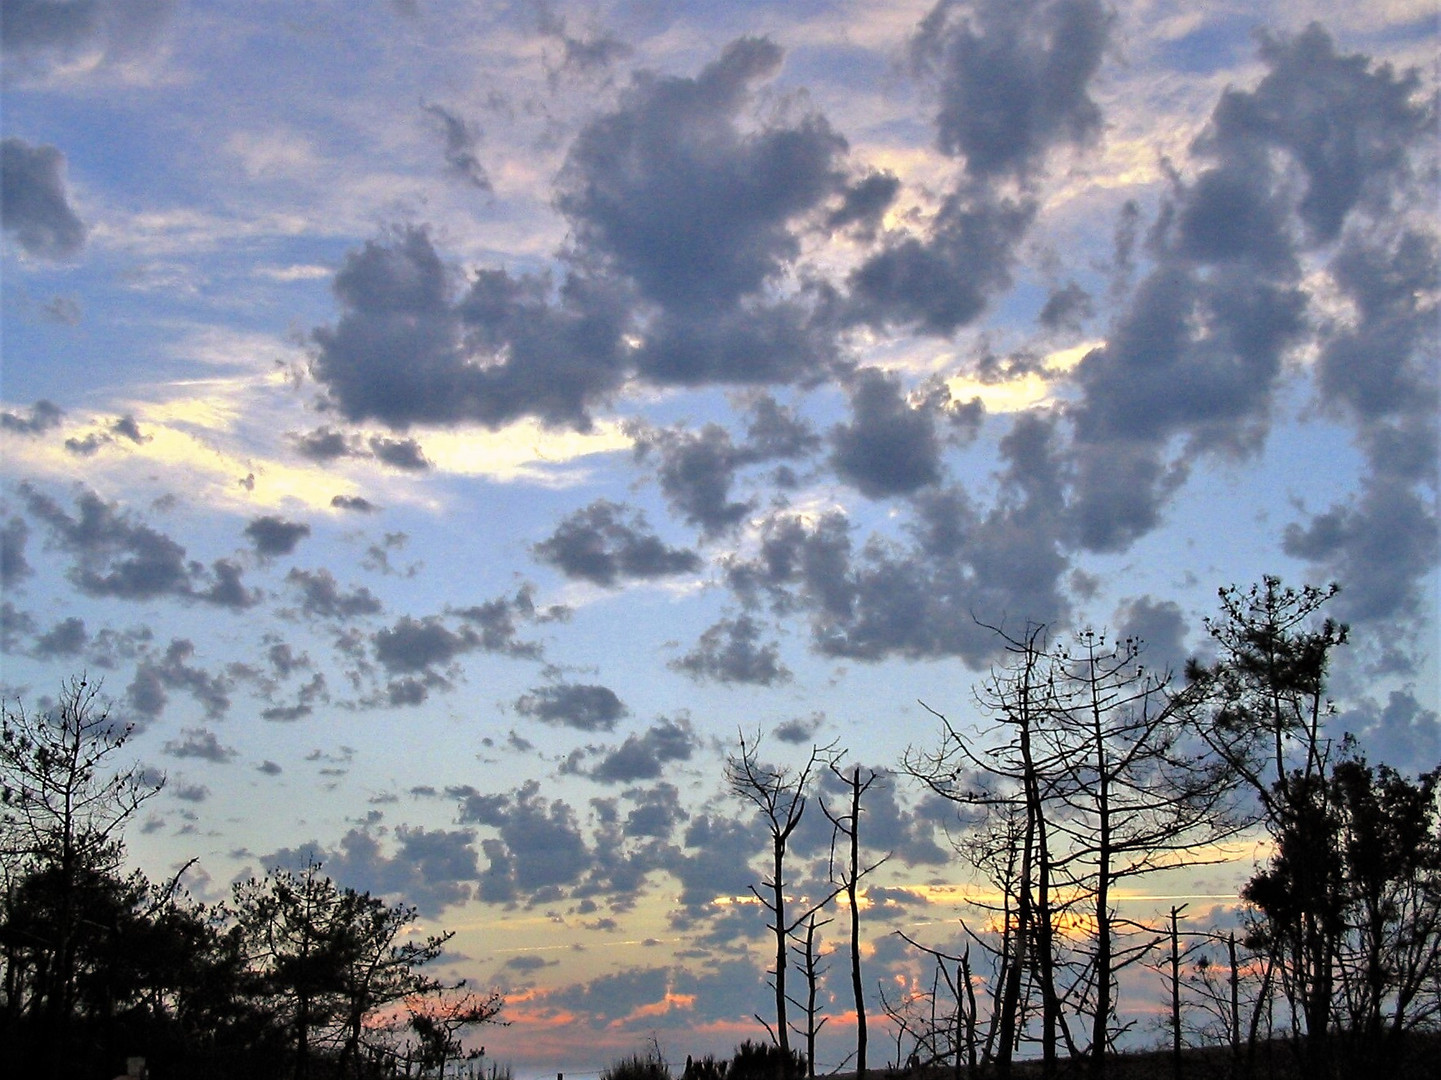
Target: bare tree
[[847, 826], [808, 953], [779, 794]]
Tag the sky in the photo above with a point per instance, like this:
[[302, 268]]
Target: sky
[[446, 427]]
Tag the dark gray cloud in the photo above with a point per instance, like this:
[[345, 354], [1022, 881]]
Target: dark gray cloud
[[354, 502], [1067, 308], [34, 202], [581, 55], [43, 416], [274, 536], [864, 204], [122, 558], [731, 652], [199, 743], [1403, 732], [322, 597], [1161, 628], [583, 706], [645, 756], [923, 599], [400, 453], [41, 34], [413, 645], [408, 349], [799, 730], [14, 567], [657, 812], [499, 620], [608, 544], [461, 140], [156, 676], [66, 638], [942, 280], [126, 427], [324, 444], [676, 197], [887, 826], [541, 847], [431, 870], [1012, 78], [889, 447], [697, 470]]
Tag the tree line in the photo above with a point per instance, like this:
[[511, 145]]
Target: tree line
[[293, 976], [1096, 772]]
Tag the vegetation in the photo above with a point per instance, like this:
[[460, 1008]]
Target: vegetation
[[1097, 771], [296, 977]]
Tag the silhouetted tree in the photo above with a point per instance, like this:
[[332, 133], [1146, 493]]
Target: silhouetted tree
[[779, 795]]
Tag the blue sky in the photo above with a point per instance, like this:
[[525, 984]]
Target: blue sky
[[445, 425]]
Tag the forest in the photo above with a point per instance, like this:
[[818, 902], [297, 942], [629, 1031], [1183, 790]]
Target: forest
[[1092, 772]]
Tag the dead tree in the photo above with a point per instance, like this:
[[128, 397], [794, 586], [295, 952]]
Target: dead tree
[[779, 795], [847, 826]]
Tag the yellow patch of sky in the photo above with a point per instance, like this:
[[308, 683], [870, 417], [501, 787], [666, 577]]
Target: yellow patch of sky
[[1026, 391]]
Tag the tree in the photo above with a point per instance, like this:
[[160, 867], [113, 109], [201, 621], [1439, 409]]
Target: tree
[[63, 813], [327, 960], [779, 795], [847, 825], [1130, 798], [1004, 789], [1266, 693]]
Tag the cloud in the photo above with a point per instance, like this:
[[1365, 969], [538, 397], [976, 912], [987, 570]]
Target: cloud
[[499, 622], [274, 536], [122, 558], [14, 567], [541, 846], [403, 454], [696, 472], [44, 415], [413, 645], [408, 350], [431, 870], [149, 689], [461, 139], [730, 652], [607, 544], [674, 196], [1012, 78], [322, 597], [354, 503], [928, 598], [34, 202], [585, 707], [41, 34], [199, 743], [645, 756], [125, 427], [888, 448], [66, 638]]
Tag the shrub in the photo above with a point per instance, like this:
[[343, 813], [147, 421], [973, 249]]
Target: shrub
[[764, 1061], [647, 1066]]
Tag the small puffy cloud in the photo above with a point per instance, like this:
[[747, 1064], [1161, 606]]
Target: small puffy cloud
[[583, 706], [274, 536], [14, 567], [34, 202], [42, 416], [65, 638], [322, 597], [355, 503], [645, 756], [403, 454], [157, 676], [199, 743], [122, 558], [606, 543], [731, 652], [413, 645]]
